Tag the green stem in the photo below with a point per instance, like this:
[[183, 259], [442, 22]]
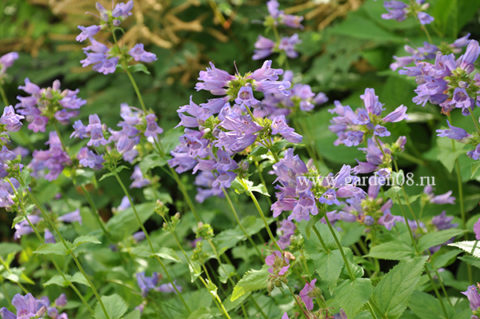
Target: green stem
[[39, 237], [69, 251], [215, 296], [7, 268], [94, 211], [259, 209], [340, 247], [237, 219], [315, 230], [262, 180], [4, 96], [149, 241]]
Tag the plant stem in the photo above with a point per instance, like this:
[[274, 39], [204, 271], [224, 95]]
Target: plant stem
[[39, 237], [215, 296], [259, 209], [4, 96], [237, 219], [149, 241], [340, 247], [94, 211], [315, 230], [7, 268], [69, 251]]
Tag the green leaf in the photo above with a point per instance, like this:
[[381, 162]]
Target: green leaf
[[352, 295], [437, 238], [114, 305], [79, 279], [51, 249], [392, 250], [252, 280], [425, 306], [167, 253], [225, 271], [139, 67], [475, 262], [329, 265], [124, 223], [247, 185], [58, 281], [468, 247], [394, 290], [133, 315], [9, 248], [87, 239]]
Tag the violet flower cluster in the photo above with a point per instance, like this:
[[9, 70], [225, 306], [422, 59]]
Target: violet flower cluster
[[6, 61], [474, 298], [104, 59], [353, 127], [28, 307], [231, 124], [264, 47], [146, 283], [134, 124], [398, 10], [50, 104], [301, 189]]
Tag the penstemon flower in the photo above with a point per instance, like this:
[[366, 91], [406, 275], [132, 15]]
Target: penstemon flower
[[398, 10], [29, 307], [6, 61], [105, 59], [50, 163], [474, 299], [307, 294], [352, 128], [49, 104]]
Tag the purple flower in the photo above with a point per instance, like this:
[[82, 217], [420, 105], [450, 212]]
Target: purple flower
[[467, 60], [49, 238], [6, 61], [98, 56], [10, 119], [23, 228], [438, 199], [95, 130], [292, 21], [286, 230], [278, 263], [52, 160], [475, 153], [88, 158], [442, 221], [453, 132], [139, 54], [263, 48], [245, 97], [476, 229], [424, 18], [287, 44], [473, 297], [87, 32], [42, 103], [138, 180], [213, 80], [306, 294], [147, 283], [152, 129], [399, 114], [397, 10], [280, 126], [71, 217], [123, 10]]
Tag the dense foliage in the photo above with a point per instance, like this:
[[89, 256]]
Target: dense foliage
[[235, 159]]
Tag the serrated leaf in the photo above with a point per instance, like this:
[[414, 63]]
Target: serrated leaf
[[352, 295], [167, 253], [79, 279], [425, 306], [245, 185], [9, 248], [225, 271], [468, 247], [394, 290], [329, 265], [51, 249], [87, 239], [252, 280], [114, 305], [392, 250], [58, 281], [437, 238]]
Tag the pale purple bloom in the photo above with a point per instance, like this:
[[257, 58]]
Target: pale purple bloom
[[442, 221], [87, 32], [397, 10], [88, 158], [52, 160], [10, 119], [453, 132], [213, 80], [438, 199], [280, 126], [138, 236], [424, 18], [71, 217], [23, 228], [399, 114], [124, 204], [98, 55], [287, 44], [306, 294], [286, 230], [122, 10], [139, 54], [473, 297], [6, 61], [278, 263], [476, 229], [152, 129], [49, 238], [138, 180]]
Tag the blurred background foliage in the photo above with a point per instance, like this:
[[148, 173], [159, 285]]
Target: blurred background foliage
[[346, 47]]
